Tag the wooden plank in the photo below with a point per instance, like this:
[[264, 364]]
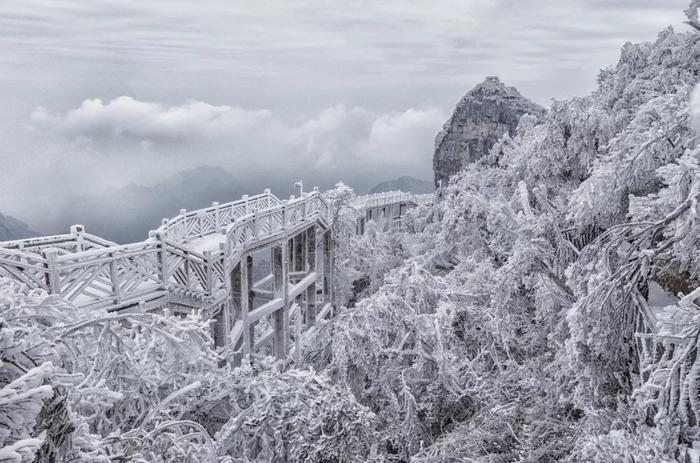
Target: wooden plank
[[265, 309], [294, 310], [236, 332], [264, 281], [265, 339], [265, 293], [324, 311], [299, 288]]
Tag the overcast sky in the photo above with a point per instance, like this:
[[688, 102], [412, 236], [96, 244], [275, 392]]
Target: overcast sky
[[97, 94]]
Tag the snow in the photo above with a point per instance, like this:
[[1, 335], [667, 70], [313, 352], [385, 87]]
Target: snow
[[492, 325], [659, 297], [695, 109], [209, 242]]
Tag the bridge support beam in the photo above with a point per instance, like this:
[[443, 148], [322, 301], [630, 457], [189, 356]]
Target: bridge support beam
[[280, 321], [328, 267], [310, 258], [236, 305], [246, 283], [247, 305]]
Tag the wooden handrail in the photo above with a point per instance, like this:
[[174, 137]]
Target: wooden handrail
[[104, 274]]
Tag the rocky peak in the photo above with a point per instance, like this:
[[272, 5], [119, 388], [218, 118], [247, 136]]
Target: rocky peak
[[482, 116]]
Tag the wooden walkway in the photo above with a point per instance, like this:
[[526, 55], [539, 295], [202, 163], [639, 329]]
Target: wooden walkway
[[205, 260]]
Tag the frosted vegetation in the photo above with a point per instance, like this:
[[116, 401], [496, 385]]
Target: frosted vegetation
[[502, 324]]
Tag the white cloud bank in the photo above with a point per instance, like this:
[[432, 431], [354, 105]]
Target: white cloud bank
[[338, 138], [100, 144], [127, 117]]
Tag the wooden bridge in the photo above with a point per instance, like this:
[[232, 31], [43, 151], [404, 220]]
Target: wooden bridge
[[386, 208], [206, 260]]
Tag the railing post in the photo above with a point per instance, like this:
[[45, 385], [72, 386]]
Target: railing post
[[161, 254], [267, 199], [217, 219], [114, 277], [183, 225], [208, 272], [199, 218], [247, 204], [52, 275], [79, 232], [284, 214], [257, 223]]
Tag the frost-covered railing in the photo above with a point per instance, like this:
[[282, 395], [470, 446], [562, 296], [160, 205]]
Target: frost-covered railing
[[91, 272], [391, 197], [386, 207], [75, 241], [30, 260], [264, 225], [105, 277], [195, 224], [191, 274], [29, 269]]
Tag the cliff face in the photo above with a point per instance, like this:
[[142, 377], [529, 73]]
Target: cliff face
[[482, 116], [13, 229]]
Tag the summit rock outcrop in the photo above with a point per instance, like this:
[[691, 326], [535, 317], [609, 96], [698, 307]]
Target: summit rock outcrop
[[482, 116]]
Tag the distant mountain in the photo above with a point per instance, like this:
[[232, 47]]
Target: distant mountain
[[13, 229], [405, 183], [126, 214], [482, 116]]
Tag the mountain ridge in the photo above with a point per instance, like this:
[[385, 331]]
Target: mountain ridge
[[404, 183]]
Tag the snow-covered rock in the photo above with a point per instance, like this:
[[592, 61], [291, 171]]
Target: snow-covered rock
[[483, 115]]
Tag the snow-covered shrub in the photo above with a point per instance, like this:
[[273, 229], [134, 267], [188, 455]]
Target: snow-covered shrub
[[534, 273]]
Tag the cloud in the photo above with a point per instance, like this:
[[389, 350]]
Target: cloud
[[193, 76], [695, 109], [291, 50], [337, 138], [107, 144], [403, 136], [126, 117]]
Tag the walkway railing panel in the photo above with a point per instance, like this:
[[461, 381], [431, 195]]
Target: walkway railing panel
[[26, 268], [194, 224], [92, 272], [391, 197], [66, 243], [265, 224], [107, 276], [187, 271]]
